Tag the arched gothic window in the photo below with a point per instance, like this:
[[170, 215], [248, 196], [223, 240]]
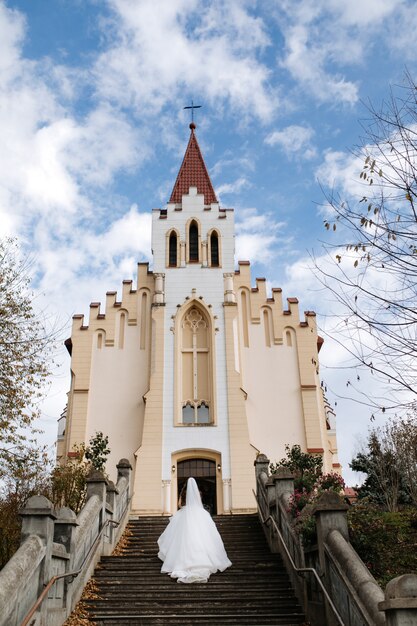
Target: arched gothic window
[[173, 250], [214, 249], [193, 242], [267, 327], [195, 366]]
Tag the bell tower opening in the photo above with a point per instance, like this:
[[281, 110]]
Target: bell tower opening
[[204, 472], [193, 243]]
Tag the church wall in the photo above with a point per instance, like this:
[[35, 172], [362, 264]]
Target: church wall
[[110, 371], [272, 382], [280, 372], [117, 384], [148, 495]]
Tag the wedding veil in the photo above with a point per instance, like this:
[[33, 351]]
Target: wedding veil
[[193, 497]]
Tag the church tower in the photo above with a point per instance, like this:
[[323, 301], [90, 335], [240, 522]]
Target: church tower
[[194, 372]]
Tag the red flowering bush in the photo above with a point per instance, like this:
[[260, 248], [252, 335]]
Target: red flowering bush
[[330, 482], [298, 501]]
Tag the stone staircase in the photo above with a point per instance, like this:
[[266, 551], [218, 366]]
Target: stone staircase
[[255, 590]]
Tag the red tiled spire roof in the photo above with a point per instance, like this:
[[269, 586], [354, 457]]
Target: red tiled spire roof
[[193, 173]]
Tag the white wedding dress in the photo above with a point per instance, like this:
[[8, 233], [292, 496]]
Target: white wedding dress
[[191, 547]]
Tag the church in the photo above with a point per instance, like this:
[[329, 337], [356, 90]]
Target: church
[[192, 371]]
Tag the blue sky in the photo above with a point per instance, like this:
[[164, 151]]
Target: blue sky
[[93, 132]]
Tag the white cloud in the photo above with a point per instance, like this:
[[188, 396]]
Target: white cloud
[[12, 30], [340, 171], [102, 145], [164, 49], [325, 38], [294, 140], [257, 236], [306, 60], [235, 187]]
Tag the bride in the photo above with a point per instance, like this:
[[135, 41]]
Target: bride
[[191, 547]]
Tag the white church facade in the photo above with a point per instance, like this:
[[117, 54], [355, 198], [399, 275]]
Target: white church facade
[[193, 371]]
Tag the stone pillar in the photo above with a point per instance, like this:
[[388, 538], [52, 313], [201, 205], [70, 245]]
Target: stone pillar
[[261, 464], [182, 253], [124, 470], [65, 525], [167, 496], [111, 493], [38, 518], [270, 492], [226, 494], [400, 604], [64, 533], [283, 480], [229, 294], [204, 253], [97, 486], [331, 514], [159, 295]]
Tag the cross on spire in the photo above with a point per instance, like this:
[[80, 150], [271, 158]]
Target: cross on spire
[[192, 107]]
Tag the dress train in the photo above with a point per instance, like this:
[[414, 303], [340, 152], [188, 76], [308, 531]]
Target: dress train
[[191, 547]]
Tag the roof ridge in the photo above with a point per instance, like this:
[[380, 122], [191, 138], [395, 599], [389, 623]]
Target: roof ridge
[[193, 173]]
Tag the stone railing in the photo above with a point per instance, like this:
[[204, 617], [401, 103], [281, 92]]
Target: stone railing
[[331, 581], [44, 579]]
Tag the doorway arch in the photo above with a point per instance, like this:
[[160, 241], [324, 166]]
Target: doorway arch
[[204, 472], [205, 467]]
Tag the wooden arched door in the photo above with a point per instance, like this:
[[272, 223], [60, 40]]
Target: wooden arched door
[[204, 472]]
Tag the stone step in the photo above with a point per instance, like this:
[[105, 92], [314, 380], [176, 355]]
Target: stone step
[[192, 611], [199, 620], [254, 591], [223, 586], [189, 602]]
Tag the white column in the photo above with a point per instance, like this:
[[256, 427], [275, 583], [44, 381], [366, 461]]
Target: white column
[[229, 294], [182, 253], [226, 494], [167, 495], [204, 253], [159, 296]]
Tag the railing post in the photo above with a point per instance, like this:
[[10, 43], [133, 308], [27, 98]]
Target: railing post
[[65, 525], [400, 604], [124, 469], [284, 485], [261, 464], [38, 518], [96, 486], [331, 514], [112, 493]]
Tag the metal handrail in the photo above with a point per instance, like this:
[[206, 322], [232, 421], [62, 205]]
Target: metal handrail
[[73, 574], [299, 570]]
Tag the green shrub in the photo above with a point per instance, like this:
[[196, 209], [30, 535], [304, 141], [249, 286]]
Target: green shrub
[[385, 541]]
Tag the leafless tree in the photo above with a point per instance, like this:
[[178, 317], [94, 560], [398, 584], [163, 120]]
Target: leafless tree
[[371, 263]]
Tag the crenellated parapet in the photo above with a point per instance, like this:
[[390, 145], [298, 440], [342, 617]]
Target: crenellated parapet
[[107, 329], [282, 318], [274, 332], [129, 303]]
